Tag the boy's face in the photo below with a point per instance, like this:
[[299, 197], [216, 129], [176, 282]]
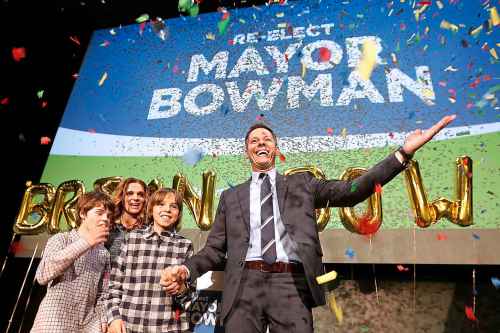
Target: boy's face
[[97, 216], [135, 197], [166, 213]]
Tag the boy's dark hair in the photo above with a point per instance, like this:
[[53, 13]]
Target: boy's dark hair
[[259, 125], [90, 200], [158, 197]]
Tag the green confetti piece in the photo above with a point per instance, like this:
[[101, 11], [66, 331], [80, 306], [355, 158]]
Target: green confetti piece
[[184, 5], [39, 94], [193, 11], [354, 187], [222, 25], [364, 329], [142, 18]]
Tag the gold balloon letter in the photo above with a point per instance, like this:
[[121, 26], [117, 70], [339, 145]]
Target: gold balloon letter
[[202, 210], [323, 214], [28, 207], [68, 207], [107, 185], [371, 221], [458, 211]]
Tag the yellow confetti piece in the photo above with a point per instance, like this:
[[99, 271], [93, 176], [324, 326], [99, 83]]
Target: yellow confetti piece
[[303, 70], [344, 133], [242, 21], [103, 78], [427, 29], [280, 15], [448, 26], [476, 31], [332, 304], [368, 59], [210, 36], [495, 19], [330, 276], [419, 11], [428, 93], [282, 25], [493, 52], [498, 44]]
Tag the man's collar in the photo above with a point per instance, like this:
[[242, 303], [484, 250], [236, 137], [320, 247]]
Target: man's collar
[[271, 173]]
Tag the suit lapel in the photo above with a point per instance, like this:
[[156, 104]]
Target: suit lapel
[[243, 193], [281, 189]]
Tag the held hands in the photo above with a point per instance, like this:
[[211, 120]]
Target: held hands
[[173, 279], [94, 234], [117, 326], [418, 138]]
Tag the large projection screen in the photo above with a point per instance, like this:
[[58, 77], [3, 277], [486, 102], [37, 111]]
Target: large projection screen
[[149, 96]]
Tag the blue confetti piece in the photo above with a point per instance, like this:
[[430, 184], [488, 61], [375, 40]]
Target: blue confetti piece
[[349, 252], [476, 236], [192, 156], [495, 281]]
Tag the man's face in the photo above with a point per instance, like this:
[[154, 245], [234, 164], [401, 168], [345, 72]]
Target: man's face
[[135, 197], [261, 149]]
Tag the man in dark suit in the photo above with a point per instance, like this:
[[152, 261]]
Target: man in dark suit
[[265, 232]]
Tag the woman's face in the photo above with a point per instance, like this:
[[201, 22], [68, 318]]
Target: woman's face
[[135, 199]]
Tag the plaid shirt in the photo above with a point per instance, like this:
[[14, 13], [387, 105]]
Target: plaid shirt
[[74, 272], [135, 294]]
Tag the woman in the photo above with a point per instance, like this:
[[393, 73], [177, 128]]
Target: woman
[[130, 200]]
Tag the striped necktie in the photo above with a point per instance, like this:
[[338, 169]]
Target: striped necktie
[[268, 241]]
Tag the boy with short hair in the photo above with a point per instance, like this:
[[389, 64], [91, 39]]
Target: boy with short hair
[[136, 301], [73, 267]]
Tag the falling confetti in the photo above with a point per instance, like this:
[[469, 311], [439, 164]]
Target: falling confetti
[[402, 268], [142, 18], [223, 24], [103, 78], [448, 26], [475, 236], [45, 140], [378, 188], [192, 156], [4, 101], [469, 313], [495, 19], [329, 130], [18, 53], [354, 187], [368, 59], [39, 94], [350, 253], [441, 236], [496, 282], [75, 40]]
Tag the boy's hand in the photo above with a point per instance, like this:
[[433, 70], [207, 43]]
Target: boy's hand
[[117, 326], [95, 234], [104, 327], [173, 279]]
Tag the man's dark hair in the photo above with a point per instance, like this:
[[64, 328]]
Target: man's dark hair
[[259, 125]]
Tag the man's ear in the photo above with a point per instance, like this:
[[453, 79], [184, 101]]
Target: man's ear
[[82, 216]]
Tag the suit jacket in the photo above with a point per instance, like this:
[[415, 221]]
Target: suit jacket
[[298, 197]]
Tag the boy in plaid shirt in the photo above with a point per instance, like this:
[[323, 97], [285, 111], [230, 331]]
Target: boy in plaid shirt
[[136, 302], [75, 266]]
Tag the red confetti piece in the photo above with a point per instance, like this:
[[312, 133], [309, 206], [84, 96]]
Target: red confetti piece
[[4, 101], [367, 226], [230, 42], [282, 158], [486, 77], [91, 130], [258, 118], [402, 26], [469, 313], [225, 16], [45, 140], [141, 27], [466, 161], [423, 3], [177, 314], [324, 54], [442, 83], [441, 237], [105, 43], [402, 268], [286, 57], [18, 53], [15, 247], [75, 76], [329, 130], [378, 188], [469, 105], [391, 135], [75, 40], [475, 83], [44, 104], [469, 174]]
